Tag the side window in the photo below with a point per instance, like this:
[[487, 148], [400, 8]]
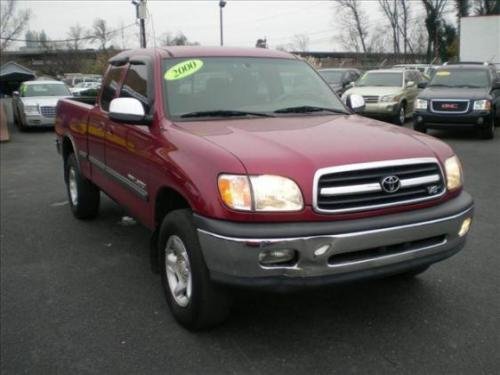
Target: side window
[[110, 85], [136, 85]]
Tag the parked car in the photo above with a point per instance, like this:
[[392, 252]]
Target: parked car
[[84, 87], [426, 69], [74, 79], [388, 93], [251, 172], [339, 79], [464, 95], [34, 105]]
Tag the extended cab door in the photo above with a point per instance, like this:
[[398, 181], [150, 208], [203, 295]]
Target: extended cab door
[[97, 125], [129, 147]]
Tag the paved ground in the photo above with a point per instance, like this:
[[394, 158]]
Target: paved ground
[[79, 297]]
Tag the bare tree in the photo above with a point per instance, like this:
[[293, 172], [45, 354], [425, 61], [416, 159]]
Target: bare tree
[[75, 34], [301, 42], [486, 7], [434, 18], [167, 39], [12, 22], [100, 33], [391, 10], [354, 24]]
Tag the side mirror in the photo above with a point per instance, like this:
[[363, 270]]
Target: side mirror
[[128, 110], [423, 85], [410, 84], [355, 102], [15, 94], [347, 84]]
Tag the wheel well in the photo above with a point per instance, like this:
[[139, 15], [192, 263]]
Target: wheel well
[[67, 148], [166, 201], [404, 103]]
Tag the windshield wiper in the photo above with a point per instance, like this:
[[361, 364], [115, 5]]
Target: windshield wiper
[[439, 85], [224, 113], [308, 109], [470, 86]]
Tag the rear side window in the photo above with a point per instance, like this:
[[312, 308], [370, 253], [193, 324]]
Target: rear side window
[[136, 85], [110, 86]]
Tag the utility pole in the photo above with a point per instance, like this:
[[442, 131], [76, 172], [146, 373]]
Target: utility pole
[[222, 4], [141, 14]]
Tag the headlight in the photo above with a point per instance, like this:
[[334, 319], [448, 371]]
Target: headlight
[[31, 110], [421, 104], [453, 169], [260, 193], [389, 98], [482, 105]]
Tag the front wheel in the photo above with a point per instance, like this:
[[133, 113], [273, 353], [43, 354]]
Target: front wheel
[[194, 300], [488, 130], [419, 127], [83, 195], [400, 117]]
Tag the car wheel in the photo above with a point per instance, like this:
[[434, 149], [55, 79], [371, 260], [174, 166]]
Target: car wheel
[[83, 195], [400, 117], [487, 131], [419, 127], [194, 300]]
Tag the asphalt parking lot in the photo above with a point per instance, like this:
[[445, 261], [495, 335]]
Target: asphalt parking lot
[[80, 298]]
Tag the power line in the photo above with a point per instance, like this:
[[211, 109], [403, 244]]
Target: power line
[[70, 39]]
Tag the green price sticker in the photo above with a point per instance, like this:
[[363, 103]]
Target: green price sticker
[[443, 73], [183, 69]]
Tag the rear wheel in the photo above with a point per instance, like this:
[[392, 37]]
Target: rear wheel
[[83, 195], [195, 301], [400, 116]]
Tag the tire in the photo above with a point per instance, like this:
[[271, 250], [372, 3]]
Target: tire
[[413, 272], [488, 130], [198, 303], [83, 195], [419, 127], [400, 117]]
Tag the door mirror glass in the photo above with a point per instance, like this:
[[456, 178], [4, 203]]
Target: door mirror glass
[[128, 110], [355, 102]]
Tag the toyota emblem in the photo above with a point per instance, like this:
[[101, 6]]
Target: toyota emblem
[[390, 184]]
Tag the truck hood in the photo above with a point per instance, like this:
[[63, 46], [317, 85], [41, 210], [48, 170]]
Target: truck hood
[[296, 147], [374, 90], [49, 101], [454, 93]]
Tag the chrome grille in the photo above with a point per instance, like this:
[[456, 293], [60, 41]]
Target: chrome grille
[[370, 98], [449, 106], [359, 187], [48, 111]]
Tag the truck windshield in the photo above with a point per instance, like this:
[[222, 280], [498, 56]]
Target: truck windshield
[[470, 78], [234, 86], [49, 89], [381, 79]]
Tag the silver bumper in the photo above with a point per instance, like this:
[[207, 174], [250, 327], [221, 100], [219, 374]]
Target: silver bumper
[[335, 254], [39, 120]]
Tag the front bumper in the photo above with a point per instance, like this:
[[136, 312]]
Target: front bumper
[[386, 109], [355, 249], [447, 120], [39, 120]]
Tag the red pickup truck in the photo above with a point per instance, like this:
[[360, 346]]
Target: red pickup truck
[[251, 172]]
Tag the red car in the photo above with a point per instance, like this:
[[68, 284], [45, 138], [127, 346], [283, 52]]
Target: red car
[[251, 172]]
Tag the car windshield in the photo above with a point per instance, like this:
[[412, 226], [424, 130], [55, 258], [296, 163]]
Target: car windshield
[[332, 76], [48, 89], [470, 78], [244, 86], [381, 79]]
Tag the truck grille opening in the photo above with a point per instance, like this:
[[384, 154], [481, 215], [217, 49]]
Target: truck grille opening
[[48, 111], [450, 106], [357, 256], [353, 188]]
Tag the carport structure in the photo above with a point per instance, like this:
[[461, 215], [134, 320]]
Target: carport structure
[[12, 75]]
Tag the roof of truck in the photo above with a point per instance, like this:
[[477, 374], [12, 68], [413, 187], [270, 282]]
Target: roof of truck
[[198, 51]]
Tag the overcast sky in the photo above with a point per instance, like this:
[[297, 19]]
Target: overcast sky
[[244, 21]]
